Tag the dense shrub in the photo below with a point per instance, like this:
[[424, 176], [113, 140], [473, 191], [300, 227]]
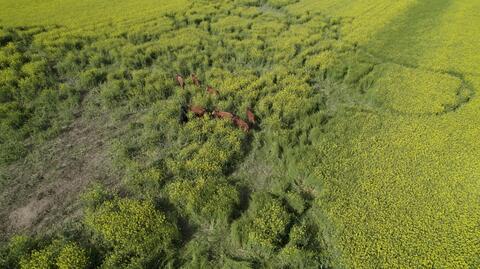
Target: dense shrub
[[138, 234], [57, 254], [72, 257], [39, 259], [205, 200], [212, 146], [14, 250], [264, 228]]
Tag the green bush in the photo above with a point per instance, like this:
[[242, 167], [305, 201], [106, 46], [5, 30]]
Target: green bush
[[212, 146], [95, 196], [264, 228], [57, 254], [137, 233], [205, 200], [39, 259], [14, 250], [72, 257]]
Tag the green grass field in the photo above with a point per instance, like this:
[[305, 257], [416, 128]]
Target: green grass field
[[365, 153]]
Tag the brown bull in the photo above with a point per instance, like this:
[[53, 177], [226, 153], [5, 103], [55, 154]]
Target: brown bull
[[195, 80], [241, 124], [212, 91], [223, 114], [180, 80], [250, 116], [197, 110]]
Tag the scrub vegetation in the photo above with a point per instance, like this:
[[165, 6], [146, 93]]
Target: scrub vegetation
[[239, 134]]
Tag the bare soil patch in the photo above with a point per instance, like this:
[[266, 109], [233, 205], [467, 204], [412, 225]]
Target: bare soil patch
[[42, 190]]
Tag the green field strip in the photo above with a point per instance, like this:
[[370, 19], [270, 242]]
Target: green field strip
[[81, 13], [409, 35]]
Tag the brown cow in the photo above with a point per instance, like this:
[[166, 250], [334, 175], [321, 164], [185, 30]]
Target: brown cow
[[212, 91], [197, 110], [195, 80], [223, 114], [180, 80], [241, 124], [250, 116]]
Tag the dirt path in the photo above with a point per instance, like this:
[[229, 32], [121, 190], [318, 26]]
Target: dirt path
[[43, 189]]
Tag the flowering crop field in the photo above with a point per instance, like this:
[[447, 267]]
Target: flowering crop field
[[239, 134]]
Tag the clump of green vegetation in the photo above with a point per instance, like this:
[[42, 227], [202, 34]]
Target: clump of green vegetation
[[265, 228], [137, 234], [14, 250], [56, 255]]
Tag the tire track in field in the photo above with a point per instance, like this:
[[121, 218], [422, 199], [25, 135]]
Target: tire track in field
[[462, 100]]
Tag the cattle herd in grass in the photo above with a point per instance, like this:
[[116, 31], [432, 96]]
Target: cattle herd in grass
[[199, 111]]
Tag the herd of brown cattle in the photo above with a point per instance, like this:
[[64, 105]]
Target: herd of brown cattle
[[200, 111]]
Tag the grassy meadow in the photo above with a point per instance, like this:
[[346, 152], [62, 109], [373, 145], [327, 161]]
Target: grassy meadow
[[364, 152]]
